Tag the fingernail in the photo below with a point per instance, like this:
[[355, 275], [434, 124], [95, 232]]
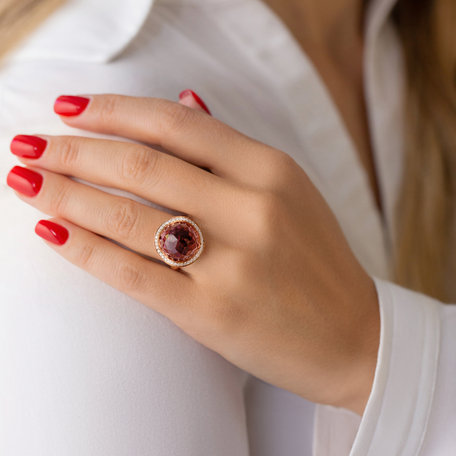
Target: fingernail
[[24, 181], [68, 105], [188, 92], [52, 232], [27, 146]]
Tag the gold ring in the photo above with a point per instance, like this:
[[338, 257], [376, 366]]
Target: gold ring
[[179, 241]]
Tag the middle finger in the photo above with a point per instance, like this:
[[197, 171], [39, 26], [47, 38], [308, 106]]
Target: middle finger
[[146, 172]]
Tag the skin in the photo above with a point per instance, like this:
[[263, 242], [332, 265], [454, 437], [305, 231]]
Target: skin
[[277, 290], [330, 32]]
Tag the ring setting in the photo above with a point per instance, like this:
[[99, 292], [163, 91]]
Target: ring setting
[[179, 241]]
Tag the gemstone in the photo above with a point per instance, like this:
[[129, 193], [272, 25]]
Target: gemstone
[[179, 241]]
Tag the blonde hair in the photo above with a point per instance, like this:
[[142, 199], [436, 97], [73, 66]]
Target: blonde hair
[[426, 206], [424, 210], [19, 17]]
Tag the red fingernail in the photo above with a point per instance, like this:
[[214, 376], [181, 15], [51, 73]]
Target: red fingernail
[[52, 232], [67, 105], [24, 181], [27, 146], [187, 92]]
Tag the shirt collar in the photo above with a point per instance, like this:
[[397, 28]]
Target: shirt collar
[[377, 14], [88, 30], [98, 31]]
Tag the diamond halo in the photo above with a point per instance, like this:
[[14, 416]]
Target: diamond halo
[[164, 256]]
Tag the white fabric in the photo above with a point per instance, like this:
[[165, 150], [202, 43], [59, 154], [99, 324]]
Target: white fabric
[[87, 370]]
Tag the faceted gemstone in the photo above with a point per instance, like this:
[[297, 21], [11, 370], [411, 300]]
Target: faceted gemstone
[[180, 241]]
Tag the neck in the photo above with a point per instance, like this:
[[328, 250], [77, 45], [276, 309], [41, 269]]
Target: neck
[[332, 25]]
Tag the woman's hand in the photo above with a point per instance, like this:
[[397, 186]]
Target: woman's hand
[[276, 291]]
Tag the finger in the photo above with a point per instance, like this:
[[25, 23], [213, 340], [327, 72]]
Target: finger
[[152, 284], [187, 133], [146, 172], [192, 100], [121, 219]]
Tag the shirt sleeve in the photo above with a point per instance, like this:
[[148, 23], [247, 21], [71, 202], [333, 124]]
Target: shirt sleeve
[[412, 406]]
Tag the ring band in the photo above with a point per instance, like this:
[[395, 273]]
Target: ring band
[[179, 241]]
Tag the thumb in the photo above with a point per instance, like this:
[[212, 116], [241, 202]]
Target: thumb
[[192, 100]]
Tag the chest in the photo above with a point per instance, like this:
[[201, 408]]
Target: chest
[[339, 65], [346, 89]]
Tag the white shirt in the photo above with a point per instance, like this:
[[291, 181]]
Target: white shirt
[[87, 370]]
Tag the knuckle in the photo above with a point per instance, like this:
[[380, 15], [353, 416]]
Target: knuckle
[[280, 169], [59, 201], [222, 312], [136, 166], [107, 107], [69, 149], [173, 117], [228, 317], [130, 277], [86, 255], [123, 218]]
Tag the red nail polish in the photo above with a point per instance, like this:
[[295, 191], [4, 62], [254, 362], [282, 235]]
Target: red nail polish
[[24, 181], [27, 146], [186, 92], [67, 105], [52, 232]]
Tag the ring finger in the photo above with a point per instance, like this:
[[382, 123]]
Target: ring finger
[[121, 219]]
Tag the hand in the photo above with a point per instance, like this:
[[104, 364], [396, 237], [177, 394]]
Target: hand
[[276, 291]]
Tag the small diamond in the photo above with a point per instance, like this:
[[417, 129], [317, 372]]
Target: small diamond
[[179, 241]]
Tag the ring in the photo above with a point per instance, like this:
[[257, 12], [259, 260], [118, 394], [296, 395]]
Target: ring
[[179, 241]]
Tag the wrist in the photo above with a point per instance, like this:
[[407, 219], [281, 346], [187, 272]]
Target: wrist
[[357, 381]]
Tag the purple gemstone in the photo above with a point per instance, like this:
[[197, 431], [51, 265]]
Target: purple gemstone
[[180, 241]]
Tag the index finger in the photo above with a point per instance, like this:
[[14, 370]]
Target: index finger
[[190, 134]]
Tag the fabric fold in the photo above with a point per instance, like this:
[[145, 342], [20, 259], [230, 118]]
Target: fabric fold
[[402, 391], [75, 31], [405, 377]]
